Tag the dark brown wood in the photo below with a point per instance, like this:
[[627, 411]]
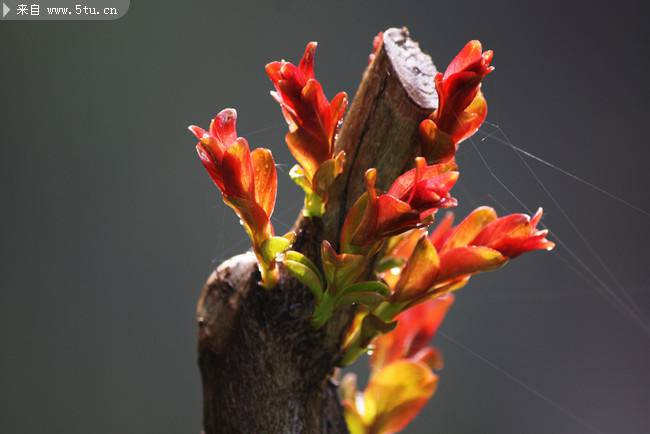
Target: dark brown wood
[[263, 367], [270, 373]]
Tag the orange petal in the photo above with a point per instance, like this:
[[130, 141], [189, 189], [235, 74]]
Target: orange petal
[[266, 179], [359, 227], [419, 323], [404, 183], [198, 132], [396, 394], [404, 249], [255, 220], [470, 227], [471, 53], [237, 170], [420, 271], [437, 145], [394, 216], [210, 165], [211, 144], [312, 96], [386, 349], [468, 260], [306, 64], [337, 108], [434, 192], [471, 118], [224, 126], [300, 145], [442, 231]]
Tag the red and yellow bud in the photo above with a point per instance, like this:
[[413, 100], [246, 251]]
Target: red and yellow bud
[[313, 122], [461, 105], [420, 272], [514, 234], [446, 259], [510, 235], [402, 378], [409, 203], [247, 180], [394, 396]]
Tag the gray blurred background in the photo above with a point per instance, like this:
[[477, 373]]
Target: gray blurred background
[[109, 224]]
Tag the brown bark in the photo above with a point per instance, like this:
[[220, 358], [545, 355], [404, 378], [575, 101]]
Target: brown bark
[[263, 367]]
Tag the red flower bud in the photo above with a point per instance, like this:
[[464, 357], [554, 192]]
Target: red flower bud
[[461, 105], [312, 119], [450, 255], [409, 203], [514, 234], [247, 180], [402, 378]]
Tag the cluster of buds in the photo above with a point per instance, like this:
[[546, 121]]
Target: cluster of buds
[[409, 203], [248, 184], [402, 373], [461, 105], [313, 122], [421, 267], [421, 271], [398, 275], [416, 266]]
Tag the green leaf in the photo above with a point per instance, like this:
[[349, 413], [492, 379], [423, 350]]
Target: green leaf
[[323, 311], [370, 299], [306, 276], [341, 270], [272, 247], [370, 287], [389, 310], [292, 255], [314, 205]]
